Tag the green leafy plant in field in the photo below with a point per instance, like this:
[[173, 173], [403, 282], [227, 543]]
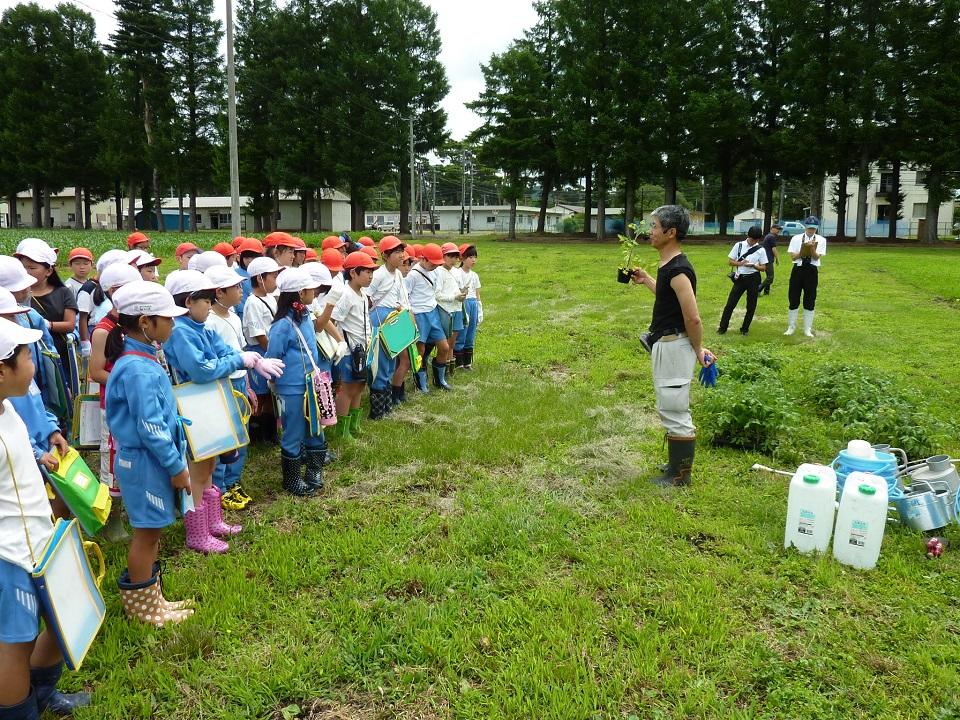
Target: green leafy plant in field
[[751, 363], [752, 415], [629, 243], [868, 405]]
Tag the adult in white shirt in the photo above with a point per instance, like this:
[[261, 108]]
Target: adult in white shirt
[[388, 293], [748, 259], [805, 250]]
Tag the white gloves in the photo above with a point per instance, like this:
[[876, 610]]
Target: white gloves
[[267, 367], [342, 351], [84, 348], [479, 312]]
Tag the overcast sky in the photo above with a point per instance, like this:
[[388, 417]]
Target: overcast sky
[[470, 30]]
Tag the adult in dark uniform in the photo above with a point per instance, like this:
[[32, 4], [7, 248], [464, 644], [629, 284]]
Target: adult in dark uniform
[[773, 256], [675, 339]]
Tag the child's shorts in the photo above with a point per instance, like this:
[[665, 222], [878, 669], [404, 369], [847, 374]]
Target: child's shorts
[[19, 605], [458, 325], [147, 492], [346, 374], [429, 326]]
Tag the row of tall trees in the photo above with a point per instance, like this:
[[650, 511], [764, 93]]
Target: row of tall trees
[[326, 92], [616, 93]]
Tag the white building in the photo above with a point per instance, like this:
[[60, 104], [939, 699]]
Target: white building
[[62, 210], [484, 218], [913, 209]]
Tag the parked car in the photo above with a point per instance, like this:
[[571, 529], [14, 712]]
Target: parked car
[[791, 228]]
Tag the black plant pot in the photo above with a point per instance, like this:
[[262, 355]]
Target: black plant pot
[[623, 276]]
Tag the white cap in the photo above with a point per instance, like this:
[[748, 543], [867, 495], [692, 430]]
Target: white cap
[[37, 250], [141, 258], [295, 280], [261, 265], [222, 277], [109, 258], [117, 274], [12, 335], [13, 276], [319, 272], [9, 306], [206, 260], [144, 297], [188, 281]]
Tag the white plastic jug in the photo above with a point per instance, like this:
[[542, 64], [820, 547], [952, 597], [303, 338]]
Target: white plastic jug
[[861, 520], [810, 508]]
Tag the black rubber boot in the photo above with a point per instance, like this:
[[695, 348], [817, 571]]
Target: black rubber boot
[[680, 451], [396, 395], [458, 358], [440, 376], [315, 460], [293, 481], [451, 366], [44, 682], [468, 358], [26, 710], [380, 404]]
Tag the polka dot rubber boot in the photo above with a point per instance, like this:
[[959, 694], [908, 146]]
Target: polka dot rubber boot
[[143, 602]]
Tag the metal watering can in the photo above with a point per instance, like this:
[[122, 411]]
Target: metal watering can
[[937, 469], [926, 505]]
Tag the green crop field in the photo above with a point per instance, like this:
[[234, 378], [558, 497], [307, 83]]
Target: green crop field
[[498, 552]]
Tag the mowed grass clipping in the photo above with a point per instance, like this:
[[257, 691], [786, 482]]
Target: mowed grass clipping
[[498, 552]]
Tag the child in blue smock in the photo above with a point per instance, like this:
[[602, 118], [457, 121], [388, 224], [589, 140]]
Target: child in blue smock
[[30, 660], [195, 353], [294, 341], [150, 463]]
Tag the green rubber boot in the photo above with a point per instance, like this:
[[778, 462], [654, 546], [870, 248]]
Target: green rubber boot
[[342, 428], [354, 427]]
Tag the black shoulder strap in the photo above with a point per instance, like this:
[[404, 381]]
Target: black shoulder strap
[[425, 277], [750, 252]]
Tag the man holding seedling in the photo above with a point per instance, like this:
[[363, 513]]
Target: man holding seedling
[[675, 339]]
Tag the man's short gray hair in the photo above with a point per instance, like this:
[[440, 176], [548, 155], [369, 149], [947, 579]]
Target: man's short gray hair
[[673, 216]]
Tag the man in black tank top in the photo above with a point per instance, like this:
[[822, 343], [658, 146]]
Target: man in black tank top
[[676, 339]]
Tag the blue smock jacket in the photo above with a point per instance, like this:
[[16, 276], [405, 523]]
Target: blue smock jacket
[[33, 320], [141, 409], [283, 343], [246, 286], [40, 422], [196, 353]]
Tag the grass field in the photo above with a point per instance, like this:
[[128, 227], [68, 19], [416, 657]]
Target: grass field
[[498, 553]]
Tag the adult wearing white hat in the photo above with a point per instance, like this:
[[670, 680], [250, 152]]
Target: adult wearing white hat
[[805, 250], [54, 301]]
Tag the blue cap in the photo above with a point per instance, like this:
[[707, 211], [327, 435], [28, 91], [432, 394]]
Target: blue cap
[[811, 221]]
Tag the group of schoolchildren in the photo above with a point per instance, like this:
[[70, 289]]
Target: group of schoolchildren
[[280, 321]]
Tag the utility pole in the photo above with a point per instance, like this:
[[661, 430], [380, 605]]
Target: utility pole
[[235, 220], [470, 214], [433, 205], [413, 182], [463, 180], [783, 187]]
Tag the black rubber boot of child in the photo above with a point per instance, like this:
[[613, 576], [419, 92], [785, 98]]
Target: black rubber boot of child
[[396, 395], [468, 359], [44, 682], [680, 452], [26, 710], [458, 358], [451, 366], [314, 462], [380, 404], [293, 481], [440, 376]]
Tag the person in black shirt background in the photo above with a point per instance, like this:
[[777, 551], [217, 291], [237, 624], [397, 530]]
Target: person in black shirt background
[[676, 339], [773, 256]]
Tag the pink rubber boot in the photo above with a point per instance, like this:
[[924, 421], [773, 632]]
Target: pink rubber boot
[[198, 532], [218, 528]]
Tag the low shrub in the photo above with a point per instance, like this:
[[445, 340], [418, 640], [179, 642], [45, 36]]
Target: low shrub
[[755, 415], [750, 363]]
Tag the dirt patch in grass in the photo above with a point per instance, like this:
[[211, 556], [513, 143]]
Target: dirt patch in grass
[[387, 478], [366, 707]]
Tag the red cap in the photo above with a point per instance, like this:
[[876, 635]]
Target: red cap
[[463, 248], [332, 241], [136, 238], [311, 255], [279, 239], [417, 251], [408, 255], [372, 252], [390, 242], [185, 248], [365, 241], [80, 252], [225, 249], [299, 244], [449, 248], [237, 241], [333, 259], [359, 260], [250, 245], [432, 253]]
